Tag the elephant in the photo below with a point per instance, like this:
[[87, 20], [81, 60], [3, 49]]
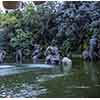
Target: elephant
[[52, 59], [86, 55], [2, 55], [52, 55], [19, 56], [91, 53], [66, 61], [93, 47], [89, 56], [36, 53]]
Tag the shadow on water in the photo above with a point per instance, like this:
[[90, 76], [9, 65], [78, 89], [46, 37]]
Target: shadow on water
[[90, 70], [82, 79]]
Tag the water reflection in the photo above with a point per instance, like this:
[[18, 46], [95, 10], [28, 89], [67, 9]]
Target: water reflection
[[79, 80], [6, 70], [67, 69], [90, 70]]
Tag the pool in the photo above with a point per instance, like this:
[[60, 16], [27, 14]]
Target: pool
[[40, 80]]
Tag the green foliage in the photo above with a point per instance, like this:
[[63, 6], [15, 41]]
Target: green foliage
[[71, 23], [7, 20], [21, 39]]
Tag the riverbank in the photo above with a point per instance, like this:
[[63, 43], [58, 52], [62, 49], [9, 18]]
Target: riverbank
[[11, 59]]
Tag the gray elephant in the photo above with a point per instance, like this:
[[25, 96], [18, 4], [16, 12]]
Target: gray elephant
[[86, 55], [89, 56], [2, 55], [93, 47], [19, 55], [52, 54], [48, 55], [36, 53]]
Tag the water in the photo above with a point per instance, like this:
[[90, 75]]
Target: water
[[28, 80]]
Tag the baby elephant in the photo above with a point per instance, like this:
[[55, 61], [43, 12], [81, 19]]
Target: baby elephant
[[66, 65], [66, 61], [36, 54], [86, 55], [2, 55], [18, 56]]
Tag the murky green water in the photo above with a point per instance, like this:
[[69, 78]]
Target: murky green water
[[34, 81]]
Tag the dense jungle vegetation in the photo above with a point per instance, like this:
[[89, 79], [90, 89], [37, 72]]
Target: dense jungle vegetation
[[71, 23]]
